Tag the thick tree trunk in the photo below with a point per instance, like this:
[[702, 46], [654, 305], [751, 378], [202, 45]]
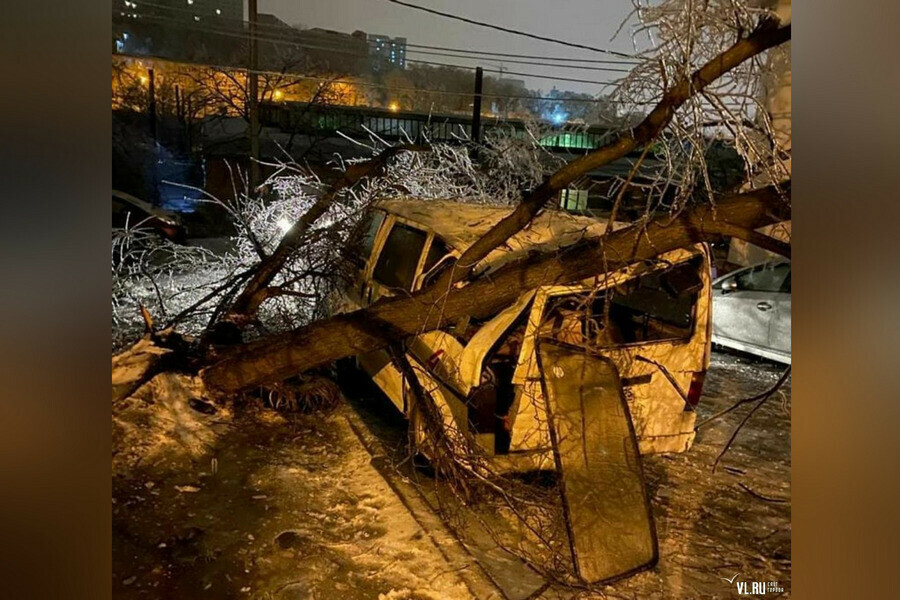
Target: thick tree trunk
[[280, 356]]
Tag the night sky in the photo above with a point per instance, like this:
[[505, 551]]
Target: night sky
[[589, 22]]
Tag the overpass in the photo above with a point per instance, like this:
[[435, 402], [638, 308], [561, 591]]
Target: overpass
[[352, 121]]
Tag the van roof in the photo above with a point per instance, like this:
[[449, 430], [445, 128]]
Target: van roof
[[460, 224]]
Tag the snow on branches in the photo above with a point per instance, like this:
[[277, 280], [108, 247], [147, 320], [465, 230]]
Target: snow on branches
[[188, 285]]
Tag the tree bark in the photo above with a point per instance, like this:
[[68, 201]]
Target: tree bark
[[280, 356], [767, 35]]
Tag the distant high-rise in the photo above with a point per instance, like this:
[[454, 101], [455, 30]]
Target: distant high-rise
[[184, 11], [385, 51], [179, 29]]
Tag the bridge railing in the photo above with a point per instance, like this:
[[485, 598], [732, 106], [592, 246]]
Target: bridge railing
[[357, 122]]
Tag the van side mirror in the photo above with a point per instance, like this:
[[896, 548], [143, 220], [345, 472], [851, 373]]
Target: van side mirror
[[729, 285]]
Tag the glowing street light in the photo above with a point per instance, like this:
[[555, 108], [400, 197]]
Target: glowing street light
[[394, 106]]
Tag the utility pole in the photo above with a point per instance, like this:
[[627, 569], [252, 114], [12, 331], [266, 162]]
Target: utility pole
[[151, 109], [476, 106], [178, 113], [253, 93]]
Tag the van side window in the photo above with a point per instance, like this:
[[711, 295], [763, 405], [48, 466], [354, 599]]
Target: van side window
[[375, 221], [654, 307], [657, 306], [397, 263]]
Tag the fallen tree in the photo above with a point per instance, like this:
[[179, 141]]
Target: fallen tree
[[454, 295], [767, 35], [278, 357], [464, 291]]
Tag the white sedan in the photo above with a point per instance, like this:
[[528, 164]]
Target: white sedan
[[752, 310]]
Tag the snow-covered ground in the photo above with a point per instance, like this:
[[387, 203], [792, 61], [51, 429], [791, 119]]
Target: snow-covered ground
[[211, 502], [272, 508]]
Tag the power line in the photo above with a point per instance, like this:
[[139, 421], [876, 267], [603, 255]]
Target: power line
[[508, 30], [281, 30], [531, 56], [287, 41], [504, 71], [328, 81], [521, 62], [297, 44]]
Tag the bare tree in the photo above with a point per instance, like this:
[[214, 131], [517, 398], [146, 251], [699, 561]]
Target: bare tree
[[284, 355]]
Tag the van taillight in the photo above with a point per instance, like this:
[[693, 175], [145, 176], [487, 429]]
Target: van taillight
[[696, 389]]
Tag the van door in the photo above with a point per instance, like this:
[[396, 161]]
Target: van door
[[607, 507], [401, 253], [652, 321]]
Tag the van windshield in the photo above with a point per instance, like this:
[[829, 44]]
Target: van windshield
[[657, 306]]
